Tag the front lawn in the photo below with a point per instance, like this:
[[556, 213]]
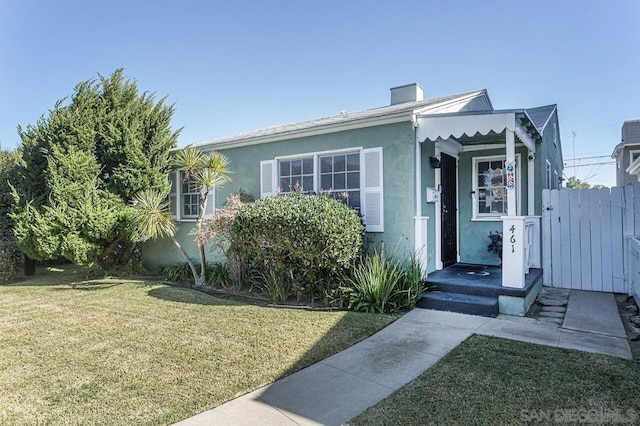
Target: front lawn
[[492, 381], [119, 351]]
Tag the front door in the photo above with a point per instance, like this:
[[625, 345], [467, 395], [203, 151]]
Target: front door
[[448, 203]]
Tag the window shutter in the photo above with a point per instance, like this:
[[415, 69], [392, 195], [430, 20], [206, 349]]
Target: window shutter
[[210, 206], [373, 209], [267, 178]]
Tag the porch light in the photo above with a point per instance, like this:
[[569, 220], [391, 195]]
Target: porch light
[[435, 162]]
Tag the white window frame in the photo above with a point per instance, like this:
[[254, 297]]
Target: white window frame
[[301, 158], [195, 193], [318, 175], [371, 180], [631, 152], [316, 168], [177, 194], [489, 217]]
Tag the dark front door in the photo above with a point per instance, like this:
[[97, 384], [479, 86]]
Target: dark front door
[[448, 203]]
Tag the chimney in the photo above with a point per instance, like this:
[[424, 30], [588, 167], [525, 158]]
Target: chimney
[[407, 93]]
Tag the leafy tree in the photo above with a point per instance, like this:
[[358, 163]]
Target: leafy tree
[[11, 258], [575, 183], [151, 212], [83, 163], [9, 176]]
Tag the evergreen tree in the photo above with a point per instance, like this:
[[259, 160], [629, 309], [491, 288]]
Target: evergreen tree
[[83, 164]]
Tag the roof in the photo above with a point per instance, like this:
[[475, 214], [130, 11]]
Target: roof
[[403, 109], [540, 115]]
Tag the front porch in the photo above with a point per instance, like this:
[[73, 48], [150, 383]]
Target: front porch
[[484, 168], [478, 290]]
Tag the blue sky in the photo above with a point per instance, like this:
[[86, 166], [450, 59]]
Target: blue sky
[[232, 67]]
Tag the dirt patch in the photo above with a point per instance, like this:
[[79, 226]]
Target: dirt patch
[[630, 316]]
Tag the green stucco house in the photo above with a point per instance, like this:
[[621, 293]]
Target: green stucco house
[[430, 175]]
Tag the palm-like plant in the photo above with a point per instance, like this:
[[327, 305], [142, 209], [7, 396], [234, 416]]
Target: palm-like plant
[[208, 170]]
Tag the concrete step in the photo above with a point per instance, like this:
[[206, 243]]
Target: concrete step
[[461, 303]]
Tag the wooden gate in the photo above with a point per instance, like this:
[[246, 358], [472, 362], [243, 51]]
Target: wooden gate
[[585, 237]]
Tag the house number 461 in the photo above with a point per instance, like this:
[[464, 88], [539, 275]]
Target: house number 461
[[512, 239]]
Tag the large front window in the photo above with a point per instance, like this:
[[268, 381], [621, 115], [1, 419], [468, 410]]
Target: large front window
[[296, 175], [490, 186], [336, 175], [340, 178]]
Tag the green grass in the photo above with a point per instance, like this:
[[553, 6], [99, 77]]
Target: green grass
[[131, 352], [489, 381]]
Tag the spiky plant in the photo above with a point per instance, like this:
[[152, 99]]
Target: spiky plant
[[208, 170]]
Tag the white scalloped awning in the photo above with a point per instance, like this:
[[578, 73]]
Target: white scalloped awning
[[432, 127]]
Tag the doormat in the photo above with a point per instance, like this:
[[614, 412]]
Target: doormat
[[468, 268]]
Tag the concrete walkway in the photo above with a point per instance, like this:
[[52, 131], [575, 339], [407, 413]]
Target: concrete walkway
[[344, 385]]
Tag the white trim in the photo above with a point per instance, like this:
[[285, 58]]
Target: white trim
[[181, 195], [486, 146], [438, 213], [631, 152], [319, 153], [555, 107], [418, 177], [457, 209], [449, 147], [474, 185], [531, 193]]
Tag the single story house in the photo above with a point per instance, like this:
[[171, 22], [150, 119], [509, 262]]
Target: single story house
[[430, 175]]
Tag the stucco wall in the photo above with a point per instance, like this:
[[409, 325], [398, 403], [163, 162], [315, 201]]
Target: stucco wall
[[473, 234], [397, 141]]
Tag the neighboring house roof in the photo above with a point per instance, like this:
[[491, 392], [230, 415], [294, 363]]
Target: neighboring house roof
[[630, 136], [403, 111], [540, 115]]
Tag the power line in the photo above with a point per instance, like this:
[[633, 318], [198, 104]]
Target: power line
[[604, 163], [587, 158]]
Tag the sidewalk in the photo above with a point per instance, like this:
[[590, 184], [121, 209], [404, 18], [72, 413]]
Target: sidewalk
[[344, 385]]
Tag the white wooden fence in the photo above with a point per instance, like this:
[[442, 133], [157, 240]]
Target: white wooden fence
[[586, 235], [634, 268]]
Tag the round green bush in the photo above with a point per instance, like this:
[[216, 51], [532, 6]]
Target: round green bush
[[311, 238]]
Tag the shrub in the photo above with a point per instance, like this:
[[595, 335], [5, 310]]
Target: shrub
[[216, 273], [311, 239], [217, 230], [11, 259], [180, 272], [274, 284], [411, 285], [382, 284]]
